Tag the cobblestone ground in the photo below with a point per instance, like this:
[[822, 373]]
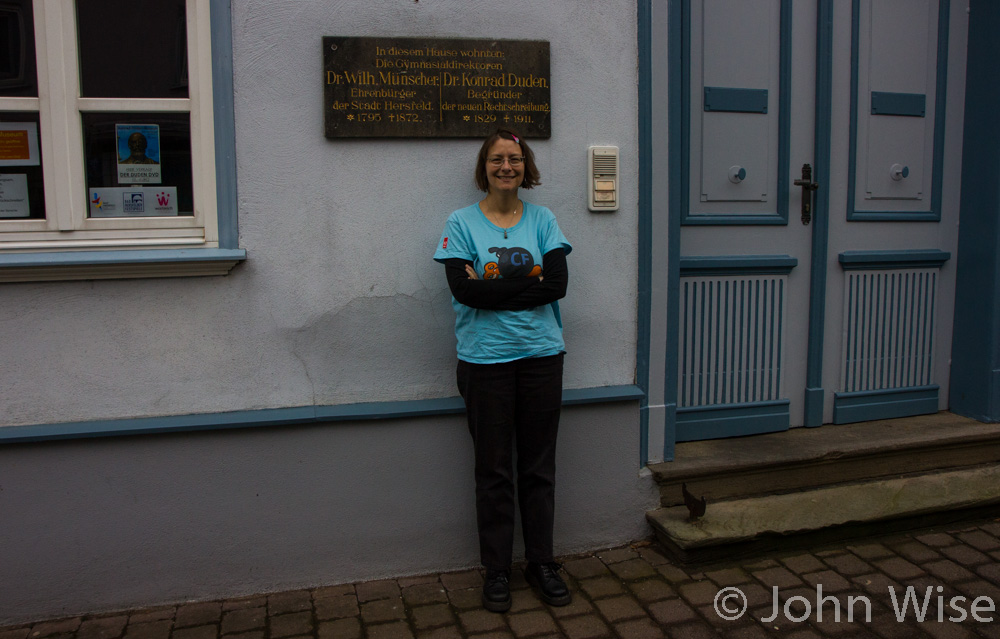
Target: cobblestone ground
[[632, 592]]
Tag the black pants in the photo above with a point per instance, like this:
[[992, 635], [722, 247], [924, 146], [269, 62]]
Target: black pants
[[515, 402]]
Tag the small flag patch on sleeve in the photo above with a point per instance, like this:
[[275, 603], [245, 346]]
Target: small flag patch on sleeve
[[444, 245]]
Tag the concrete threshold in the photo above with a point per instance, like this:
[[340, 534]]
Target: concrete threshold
[[792, 513], [812, 485], [751, 525], [804, 458]]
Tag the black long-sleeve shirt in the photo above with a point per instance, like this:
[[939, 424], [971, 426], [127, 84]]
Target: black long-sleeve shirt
[[514, 294]]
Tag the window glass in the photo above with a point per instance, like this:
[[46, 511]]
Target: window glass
[[22, 192], [132, 48], [138, 164], [18, 77]]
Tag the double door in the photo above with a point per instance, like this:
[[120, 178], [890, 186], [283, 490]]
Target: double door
[[817, 208]]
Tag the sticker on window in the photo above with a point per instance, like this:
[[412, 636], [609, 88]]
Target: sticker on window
[[18, 144], [138, 153], [141, 201], [14, 196]]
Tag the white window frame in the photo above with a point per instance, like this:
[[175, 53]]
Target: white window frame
[[113, 240]]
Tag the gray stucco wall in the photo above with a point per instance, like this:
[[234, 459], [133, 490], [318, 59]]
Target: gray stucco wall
[[349, 299], [339, 302], [104, 524]]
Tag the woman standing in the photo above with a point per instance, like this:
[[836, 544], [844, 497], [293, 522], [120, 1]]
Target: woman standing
[[505, 260]]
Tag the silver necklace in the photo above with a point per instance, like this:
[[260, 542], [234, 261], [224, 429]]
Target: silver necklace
[[491, 218]]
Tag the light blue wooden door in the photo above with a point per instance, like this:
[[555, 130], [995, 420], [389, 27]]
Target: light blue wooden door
[[838, 310]]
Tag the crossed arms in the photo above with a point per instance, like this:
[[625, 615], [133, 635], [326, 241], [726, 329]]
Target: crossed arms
[[516, 294]]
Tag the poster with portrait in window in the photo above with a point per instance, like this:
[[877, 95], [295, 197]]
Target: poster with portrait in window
[[138, 153]]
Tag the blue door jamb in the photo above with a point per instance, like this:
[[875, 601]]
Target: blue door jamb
[[644, 37], [821, 220], [679, 131], [975, 369]]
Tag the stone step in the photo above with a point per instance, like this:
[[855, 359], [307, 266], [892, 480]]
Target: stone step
[[806, 458], [745, 525]]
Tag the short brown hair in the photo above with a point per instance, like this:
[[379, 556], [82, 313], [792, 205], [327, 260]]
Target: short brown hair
[[531, 175]]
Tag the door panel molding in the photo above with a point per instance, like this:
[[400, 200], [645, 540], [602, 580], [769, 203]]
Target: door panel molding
[[732, 420], [735, 100], [887, 357], [892, 259], [850, 408], [731, 323], [896, 109], [913, 105], [739, 107], [889, 330], [691, 266], [732, 346]]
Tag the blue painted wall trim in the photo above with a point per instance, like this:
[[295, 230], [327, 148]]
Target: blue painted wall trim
[[940, 98], [735, 100], [291, 416], [908, 104], [862, 406], [225, 123], [601, 394], [731, 420], [737, 265], [645, 239], [814, 394], [879, 260], [975, 354], [92, 258], [680, 83]]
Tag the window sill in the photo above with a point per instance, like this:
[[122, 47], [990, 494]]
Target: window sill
[[121, 264]]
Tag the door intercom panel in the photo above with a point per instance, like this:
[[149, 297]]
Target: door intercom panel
[[602, 178]]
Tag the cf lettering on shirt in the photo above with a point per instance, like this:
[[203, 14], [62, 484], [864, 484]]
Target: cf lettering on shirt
[[518, 259]]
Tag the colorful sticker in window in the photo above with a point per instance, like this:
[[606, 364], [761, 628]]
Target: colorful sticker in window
[[135, 201], [18, 144]]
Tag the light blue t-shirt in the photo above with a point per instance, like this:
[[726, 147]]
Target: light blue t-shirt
[[493, 337]]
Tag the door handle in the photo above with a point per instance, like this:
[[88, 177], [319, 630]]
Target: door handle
[[808, 186]]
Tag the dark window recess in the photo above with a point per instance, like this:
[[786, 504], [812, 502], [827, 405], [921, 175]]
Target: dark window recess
[[132, 48], [18, 75]]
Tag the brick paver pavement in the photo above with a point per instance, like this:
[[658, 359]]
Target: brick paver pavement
[[949, 575]]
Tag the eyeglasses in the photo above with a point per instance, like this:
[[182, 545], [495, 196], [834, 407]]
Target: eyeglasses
[[514, 161]]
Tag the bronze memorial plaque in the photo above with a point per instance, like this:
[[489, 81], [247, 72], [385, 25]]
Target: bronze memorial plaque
[[435, 87]]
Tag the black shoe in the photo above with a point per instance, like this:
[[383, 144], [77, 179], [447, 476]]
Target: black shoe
[[496, 590], [545, 578]]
